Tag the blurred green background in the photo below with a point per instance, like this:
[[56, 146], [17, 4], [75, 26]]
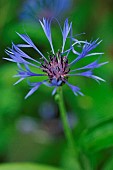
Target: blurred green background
[[31, 130]]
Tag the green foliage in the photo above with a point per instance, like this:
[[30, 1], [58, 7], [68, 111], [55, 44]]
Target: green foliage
[[26, 166], [97, 138], [109, 165]]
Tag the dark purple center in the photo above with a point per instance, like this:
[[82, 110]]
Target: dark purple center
[[57, 68]]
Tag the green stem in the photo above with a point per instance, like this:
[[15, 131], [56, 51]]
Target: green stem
[[67, 130], [68, 134]]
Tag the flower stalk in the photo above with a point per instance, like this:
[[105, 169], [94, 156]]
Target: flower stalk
[[66, 127], [67, 131]]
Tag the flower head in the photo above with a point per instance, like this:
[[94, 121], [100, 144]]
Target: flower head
[[45, 8], [56, 68]]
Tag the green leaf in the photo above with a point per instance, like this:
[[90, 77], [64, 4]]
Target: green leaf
[[109, 165], [97, 138], [25, 166], [70, 161]]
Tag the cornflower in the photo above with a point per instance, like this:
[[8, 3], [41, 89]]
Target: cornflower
[[44, 8], [56, 68]]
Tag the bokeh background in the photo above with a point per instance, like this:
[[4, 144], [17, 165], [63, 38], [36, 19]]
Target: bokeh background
[[31, 130]]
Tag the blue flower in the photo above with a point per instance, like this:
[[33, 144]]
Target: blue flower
[[56, 68], [44, 8]]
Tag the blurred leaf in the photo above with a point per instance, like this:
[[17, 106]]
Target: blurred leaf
[[109, 165], [10, 98], [5, 137], [26, 166], [98, 137], [70, 161]]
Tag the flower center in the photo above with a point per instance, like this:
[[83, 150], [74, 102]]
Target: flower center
[[57, 68]]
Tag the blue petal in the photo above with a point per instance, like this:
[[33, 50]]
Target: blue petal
[[75, 89], [26, 73], [54, 91], [33, 89], [54, 82], [27, 39], [88, 74], [36, 86], [86, 49], [65, 32], [48, 84], [92, 65], [18, 81], [23, 54], [46, 25], [17, 58]]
